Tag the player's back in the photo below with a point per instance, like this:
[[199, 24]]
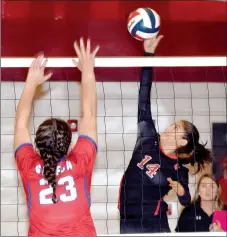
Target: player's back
[[72, 206], [71, 214]]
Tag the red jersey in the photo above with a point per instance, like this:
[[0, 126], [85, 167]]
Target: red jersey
[[70, 216], [223, 184]]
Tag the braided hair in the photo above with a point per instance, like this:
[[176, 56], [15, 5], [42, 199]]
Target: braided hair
[[53, 139]]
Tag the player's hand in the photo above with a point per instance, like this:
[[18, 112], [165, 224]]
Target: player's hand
[[150, 45], [86, 57], [216, 227], [36, 75], [176, 186]]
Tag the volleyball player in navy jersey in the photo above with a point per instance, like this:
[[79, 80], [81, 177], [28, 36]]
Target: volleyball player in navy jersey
[[157, 164]]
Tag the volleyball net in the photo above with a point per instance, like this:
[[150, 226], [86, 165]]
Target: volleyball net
[[202, 103]]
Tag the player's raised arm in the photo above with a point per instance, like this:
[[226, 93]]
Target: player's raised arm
[[88, 123], [144, 106], [35, 78], [145, 121]]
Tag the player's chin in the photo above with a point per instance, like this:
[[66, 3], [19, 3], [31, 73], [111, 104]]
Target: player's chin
[[208, 198]]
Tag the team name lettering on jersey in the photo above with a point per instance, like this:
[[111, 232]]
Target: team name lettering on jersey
[[60, 169], [152, 168]]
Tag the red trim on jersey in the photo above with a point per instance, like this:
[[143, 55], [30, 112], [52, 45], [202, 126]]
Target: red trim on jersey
[[174, 157], [119, 194], [157, 208]]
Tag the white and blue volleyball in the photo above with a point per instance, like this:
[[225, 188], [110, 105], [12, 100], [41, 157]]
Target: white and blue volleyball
[[143, 23]]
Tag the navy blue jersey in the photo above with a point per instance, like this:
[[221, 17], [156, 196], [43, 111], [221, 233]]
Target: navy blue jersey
[[144, 183], [194, 219]]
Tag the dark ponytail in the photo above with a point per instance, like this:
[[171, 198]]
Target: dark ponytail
[[201, 156], [193, 152], [53, 138]]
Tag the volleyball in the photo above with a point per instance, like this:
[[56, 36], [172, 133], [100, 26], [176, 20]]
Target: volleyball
[[143, 23]]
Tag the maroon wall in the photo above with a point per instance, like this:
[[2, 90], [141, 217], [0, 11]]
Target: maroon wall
[[191, 28]]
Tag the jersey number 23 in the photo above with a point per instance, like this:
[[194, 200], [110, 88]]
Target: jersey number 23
[[69, 195]]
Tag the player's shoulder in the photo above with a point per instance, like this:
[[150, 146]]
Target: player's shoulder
[[85, 141], [25, 153], [26, 157], [24, 148]]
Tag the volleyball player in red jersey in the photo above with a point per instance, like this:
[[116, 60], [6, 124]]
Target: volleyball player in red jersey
[[57, 182]]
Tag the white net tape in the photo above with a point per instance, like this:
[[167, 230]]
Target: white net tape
[[123, 62]]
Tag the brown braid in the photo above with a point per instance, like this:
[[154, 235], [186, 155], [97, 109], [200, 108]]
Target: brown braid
[[53, 139]]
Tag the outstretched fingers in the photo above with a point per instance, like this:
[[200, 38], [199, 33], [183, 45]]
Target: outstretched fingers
[[32, 66], [43, 66], [88, 48], [48, 76], [82, 48], [39, 60], [95, 51]]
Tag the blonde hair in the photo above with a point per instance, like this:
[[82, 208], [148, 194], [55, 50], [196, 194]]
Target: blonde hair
[[218, 202]]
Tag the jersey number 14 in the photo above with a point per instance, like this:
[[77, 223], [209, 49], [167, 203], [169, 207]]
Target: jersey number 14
[[151, 168], [69, 185]]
